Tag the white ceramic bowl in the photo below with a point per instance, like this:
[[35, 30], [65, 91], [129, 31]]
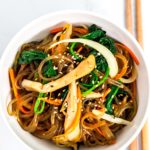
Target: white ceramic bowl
[[37, 30]]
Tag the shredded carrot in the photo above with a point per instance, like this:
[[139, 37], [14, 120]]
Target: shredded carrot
[[80, 49], [124, 68], [56, 102], [99, 131], [106, 93], [78, 113], [16, 94], [12, 78], [120, 45], [80, 30], [56, 30]]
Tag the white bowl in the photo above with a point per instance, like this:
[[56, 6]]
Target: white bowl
[[37, 30]]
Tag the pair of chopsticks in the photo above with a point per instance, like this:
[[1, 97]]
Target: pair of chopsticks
[[139, 37]]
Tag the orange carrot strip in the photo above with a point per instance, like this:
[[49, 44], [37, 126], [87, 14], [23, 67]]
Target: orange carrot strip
[[125, 66], [56, 102], [16, 94], [12, 79], [99, 131], [56, 30], [80, 30], [129, 50], [80, 49], [106, 93]]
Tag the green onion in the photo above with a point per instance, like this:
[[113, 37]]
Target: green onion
[[38, 103], [72, 52], [98, 84], [86, 85], [110, 97], [93, 79]]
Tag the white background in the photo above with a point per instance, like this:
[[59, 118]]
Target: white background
[[14, 14]]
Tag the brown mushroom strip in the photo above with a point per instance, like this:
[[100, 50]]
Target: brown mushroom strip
[[84, 68]]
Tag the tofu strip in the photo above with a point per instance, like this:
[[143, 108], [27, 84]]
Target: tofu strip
[[84, 68]]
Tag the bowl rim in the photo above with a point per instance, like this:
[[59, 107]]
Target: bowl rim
[[83, 12]]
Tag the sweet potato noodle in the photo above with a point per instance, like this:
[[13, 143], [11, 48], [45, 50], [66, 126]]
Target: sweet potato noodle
[[76, 86]]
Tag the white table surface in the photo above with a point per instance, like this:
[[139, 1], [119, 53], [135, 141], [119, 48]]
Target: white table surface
[[14, 14]]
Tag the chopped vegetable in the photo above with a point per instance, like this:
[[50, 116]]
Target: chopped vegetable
[[101, 63], [124, 68], [28, 56], [48, 70], [110, 97], [132, 78], [111, 60], [56, 102], [39, 104], [93, 95], [55, 30], [120, 45], [16, 94], [63, 81], [109, 43], [95, 33], [98, 84], [73, 53], [110, 118], [80, 30]]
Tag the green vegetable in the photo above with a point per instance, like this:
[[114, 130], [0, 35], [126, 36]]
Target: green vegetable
[[110, 97], [64, 94], [39, 105], [94, 27], [98, 84], [109, 43], [94, 77], [28, 56], [48, 70], [86, 85], [73, 53], [93, 80], [101, 63], [95, 33]]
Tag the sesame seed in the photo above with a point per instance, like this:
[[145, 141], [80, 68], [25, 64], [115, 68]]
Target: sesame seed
[[59, 94], [56, 56], [93, 81], [60, 72], [65, 65], [101, 77], [55, 68], [103, 86]]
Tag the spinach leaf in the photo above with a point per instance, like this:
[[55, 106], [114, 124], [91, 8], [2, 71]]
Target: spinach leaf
[[95, 33], [109, 43], [48, 70], [28, 56], [101, 63], [99, 35]]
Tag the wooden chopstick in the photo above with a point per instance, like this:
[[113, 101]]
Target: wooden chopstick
[[129, 21], [139, 36], [139, 29], [129, 26]]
